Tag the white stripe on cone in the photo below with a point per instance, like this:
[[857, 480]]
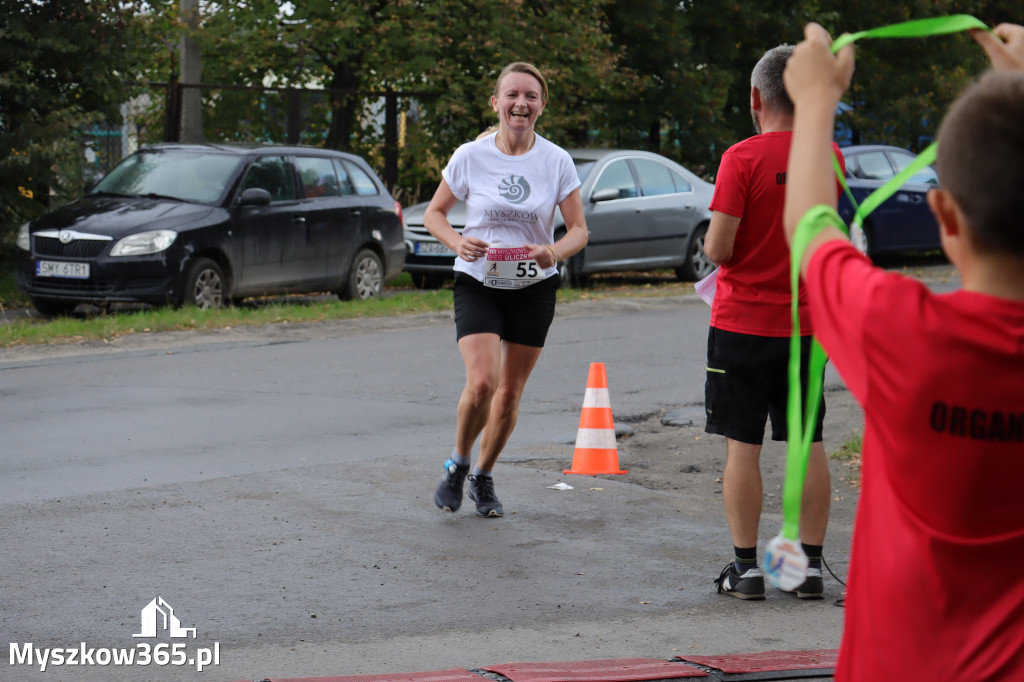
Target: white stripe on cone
[[598, 439], [597, 397]]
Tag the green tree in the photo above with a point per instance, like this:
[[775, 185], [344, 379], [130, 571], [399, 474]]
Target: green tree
[[730, 38], [674, 108], [449, 51], [64, 65], [902, 87], [695, 69]]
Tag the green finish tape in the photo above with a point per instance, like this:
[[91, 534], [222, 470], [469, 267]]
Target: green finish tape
[[801, 419], [842, 180], [800, 432], [918, 28]]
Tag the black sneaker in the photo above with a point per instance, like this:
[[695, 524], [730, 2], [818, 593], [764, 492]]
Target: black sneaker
[[448, 495], [481, 491], [750, 585], [813, 587]]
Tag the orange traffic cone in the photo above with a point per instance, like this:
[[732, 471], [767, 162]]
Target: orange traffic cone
[[596, 452]]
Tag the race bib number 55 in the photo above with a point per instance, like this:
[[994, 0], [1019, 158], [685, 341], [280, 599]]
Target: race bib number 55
[[510, 267]]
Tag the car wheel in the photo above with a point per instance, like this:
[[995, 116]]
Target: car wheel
[[697, 266], [424, 281], [204, 285], [365, 277], [53, 308], [569, 272], [861, 238]]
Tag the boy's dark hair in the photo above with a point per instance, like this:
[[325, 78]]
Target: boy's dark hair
[[981, 161], [767, 78]]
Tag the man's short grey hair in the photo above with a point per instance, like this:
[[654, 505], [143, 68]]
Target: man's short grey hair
[[767, 78]]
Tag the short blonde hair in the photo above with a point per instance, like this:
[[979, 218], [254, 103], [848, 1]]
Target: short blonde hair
[[529, 69]]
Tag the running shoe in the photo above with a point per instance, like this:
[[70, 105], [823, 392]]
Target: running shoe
[[750, 585], [481, 491], [448, 495], [813, 587]]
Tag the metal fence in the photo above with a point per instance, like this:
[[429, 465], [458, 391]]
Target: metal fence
[[177, 112]]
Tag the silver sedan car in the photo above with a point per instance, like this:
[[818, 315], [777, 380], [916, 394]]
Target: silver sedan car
[[643, 211]]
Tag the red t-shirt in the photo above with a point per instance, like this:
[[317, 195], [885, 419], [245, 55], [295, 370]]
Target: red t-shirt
[[936, 588], [752, 293]]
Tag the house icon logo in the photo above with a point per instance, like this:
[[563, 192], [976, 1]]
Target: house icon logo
[[158, 615]]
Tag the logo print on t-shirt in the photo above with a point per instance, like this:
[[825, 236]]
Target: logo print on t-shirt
[[514, 189]]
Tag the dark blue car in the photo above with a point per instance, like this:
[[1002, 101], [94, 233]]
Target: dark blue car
[[903, 223]]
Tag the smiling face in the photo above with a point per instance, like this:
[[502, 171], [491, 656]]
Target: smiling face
[[518, 101]]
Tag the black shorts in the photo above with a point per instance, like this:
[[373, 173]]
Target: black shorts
[[748, 382], [520, 316]]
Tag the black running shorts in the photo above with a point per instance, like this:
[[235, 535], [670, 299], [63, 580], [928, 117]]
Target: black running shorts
[[748, 382], [520, 316]]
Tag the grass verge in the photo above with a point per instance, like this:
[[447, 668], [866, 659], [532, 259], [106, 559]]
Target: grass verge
[[400, 298], [849, 455]]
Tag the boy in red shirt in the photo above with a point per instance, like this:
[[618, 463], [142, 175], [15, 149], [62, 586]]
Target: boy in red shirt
[[934, 589]]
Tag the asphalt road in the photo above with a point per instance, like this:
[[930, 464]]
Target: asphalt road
[[274, 487]]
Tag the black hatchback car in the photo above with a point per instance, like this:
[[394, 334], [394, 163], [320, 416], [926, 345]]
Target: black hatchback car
[[205, 225]]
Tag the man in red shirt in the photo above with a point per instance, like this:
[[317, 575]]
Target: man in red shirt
[[748, 342], [934, 586]]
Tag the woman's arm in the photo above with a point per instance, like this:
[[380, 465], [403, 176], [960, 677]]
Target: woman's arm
[[435, 219], [576, 233]]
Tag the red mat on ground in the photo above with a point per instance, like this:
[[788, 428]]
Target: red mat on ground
[[613, 670], [768, 661], [451, 675]]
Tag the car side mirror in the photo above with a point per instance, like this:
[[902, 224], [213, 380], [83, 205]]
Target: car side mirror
[[254, 196], [604, 195]]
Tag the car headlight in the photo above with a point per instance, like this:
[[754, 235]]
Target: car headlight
[[144, 243], [23, 238]]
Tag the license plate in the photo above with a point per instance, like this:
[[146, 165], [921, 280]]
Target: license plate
[[433, 249], [50, 268]]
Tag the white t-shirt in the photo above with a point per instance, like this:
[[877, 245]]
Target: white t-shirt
[[510, 200]]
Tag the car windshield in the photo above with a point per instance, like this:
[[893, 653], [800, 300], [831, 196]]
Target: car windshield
[[194, 176]]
